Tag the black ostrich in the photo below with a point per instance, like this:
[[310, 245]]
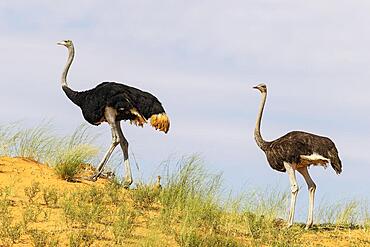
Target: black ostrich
[[112, 102], [296, 151]]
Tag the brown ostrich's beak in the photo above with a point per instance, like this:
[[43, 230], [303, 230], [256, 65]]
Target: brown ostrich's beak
[[255, 87]]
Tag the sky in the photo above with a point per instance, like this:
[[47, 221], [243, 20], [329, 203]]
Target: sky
[[201, 59]]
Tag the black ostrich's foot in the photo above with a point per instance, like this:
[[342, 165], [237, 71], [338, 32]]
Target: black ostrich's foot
[[92, 178], [127, 183], [289, 226]]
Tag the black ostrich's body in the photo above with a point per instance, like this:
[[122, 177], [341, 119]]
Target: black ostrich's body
[[292, 146], [113, 102], [124, 99]]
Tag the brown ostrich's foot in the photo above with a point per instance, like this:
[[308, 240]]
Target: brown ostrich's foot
[[308, 226]]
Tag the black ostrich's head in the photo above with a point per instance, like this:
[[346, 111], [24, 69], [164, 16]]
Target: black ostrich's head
[[67, 43], [261, 87]]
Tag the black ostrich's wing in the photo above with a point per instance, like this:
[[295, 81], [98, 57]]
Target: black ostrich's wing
[[106, 94], [149, 107], [125, 108], [146, 103], [123, 96], [121, 102]]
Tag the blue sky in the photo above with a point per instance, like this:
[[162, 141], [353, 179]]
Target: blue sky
[[201, 59]]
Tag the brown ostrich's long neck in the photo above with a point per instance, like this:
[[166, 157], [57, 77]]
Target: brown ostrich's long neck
[[257, 131]]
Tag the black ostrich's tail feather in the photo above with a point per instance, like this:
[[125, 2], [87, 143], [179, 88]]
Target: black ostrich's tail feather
[[160, 122], [335, 162]]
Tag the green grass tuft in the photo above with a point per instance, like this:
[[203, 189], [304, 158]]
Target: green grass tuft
[[144, 196], [73, 152], [85, 207], [50, 196], [70, 160], [32, 191], [123, 225]]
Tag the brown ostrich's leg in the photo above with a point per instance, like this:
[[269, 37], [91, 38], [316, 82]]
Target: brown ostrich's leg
[[311, 191], [294, 191]]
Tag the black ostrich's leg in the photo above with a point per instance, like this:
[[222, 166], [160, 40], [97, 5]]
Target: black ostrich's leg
[[124, 145], [107, 155], [110, 116]]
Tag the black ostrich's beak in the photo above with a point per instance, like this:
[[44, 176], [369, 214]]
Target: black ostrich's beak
[[255, 87], [61, 43]]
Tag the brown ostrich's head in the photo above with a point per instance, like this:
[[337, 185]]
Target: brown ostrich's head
[[67, 43]]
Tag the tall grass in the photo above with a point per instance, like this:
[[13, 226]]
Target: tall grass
[[9, 135], [189, 189], [72, 152], [39, 143], [349, 213], [189, 210], [193, 209], [35, 143], [190, 207]]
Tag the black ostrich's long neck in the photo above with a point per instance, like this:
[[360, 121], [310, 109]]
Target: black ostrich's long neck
[[74, 96], [71, 55], [257, 131], [71, 94]]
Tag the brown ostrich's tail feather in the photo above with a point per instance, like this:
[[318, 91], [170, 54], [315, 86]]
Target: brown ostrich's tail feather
[[160, 122], [336, 163]]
